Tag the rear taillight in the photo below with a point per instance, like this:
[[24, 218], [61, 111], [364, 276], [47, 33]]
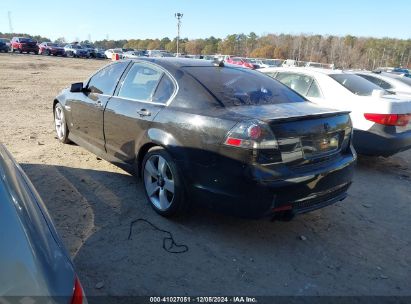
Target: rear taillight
[[251, 134], [389, 119], [78, 293]]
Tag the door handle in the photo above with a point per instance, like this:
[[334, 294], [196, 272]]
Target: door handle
[[143, 112]]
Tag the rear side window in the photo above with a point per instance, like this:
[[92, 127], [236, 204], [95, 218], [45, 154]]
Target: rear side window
[[164, 90], [105, 81], [297, 82], [355, 84], [314, 90], [379, 82], [141, 82], [241, 87]]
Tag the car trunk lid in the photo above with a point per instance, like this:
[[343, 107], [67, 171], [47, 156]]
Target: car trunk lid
[[305, 132]]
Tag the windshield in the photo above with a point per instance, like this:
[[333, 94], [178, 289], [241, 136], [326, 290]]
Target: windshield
[[356, 84], [25, 40], [4, 40], [241, 87], [52, 44], [76, 47]]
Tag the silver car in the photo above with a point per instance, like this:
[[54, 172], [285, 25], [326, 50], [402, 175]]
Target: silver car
[[33, 260]]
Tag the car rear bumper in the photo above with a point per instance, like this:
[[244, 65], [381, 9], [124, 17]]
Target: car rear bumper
[[381, 141], [251, 196]]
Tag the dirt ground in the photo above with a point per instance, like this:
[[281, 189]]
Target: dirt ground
[[357, 247]]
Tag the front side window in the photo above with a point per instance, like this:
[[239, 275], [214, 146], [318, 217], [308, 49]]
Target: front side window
[[241, 87], [355, 84], [105, 81], [141, 82]]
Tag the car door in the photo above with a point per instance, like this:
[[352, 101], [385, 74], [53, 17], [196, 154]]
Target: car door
[[144, 91], [87, 107]]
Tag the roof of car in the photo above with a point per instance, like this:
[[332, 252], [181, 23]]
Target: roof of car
[[177, 62]]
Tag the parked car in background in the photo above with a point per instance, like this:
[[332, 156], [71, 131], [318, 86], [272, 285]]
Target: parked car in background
[[50, 48], [240, 61], [393, 83], [293, 63], [159, 53], [110, 52], [76, 51], [401, 71], [90, 49], [266, 63], [209, 57], [201, 130], [382, 121], [23, 44], [33, 260], [4, 45], [134, 54], [100, 53]]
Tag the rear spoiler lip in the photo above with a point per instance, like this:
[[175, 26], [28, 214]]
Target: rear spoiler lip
[[307, 116]]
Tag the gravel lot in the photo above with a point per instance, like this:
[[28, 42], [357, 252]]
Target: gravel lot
[[360, 246]]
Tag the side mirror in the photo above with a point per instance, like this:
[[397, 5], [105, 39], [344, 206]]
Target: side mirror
[[77, 87]]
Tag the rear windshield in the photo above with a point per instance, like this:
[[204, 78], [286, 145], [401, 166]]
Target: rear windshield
[[242, 87], [356, 84]]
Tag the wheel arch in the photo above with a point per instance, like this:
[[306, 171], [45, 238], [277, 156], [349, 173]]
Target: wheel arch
[[159, 138]]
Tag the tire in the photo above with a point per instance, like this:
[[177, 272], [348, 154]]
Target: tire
[[47, 53], [60, 124], [20, 51], [163, 184]]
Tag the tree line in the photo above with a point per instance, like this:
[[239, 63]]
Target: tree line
[[345, 52]]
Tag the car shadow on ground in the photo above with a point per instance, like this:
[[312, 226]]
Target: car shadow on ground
[[329, 251]]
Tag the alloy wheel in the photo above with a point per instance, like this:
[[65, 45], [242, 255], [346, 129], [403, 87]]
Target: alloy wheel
[[159, 182], [60, 122]]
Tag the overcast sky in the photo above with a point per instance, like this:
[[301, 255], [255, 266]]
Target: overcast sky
[[125, 19]]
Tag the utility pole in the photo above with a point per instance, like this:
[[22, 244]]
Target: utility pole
[[10, 25], [178, 16]]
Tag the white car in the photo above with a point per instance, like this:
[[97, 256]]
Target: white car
[[266, 63], [133, 54], [382, 121], [110, 52], [394, 83]]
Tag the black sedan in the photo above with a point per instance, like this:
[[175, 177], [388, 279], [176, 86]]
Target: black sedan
[[202, 131]]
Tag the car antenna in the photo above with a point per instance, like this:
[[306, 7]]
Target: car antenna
[[218, 62]]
